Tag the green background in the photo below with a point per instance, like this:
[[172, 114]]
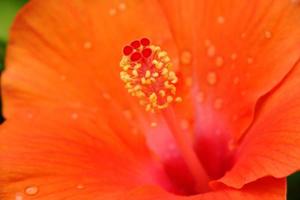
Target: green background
[[8, 9]]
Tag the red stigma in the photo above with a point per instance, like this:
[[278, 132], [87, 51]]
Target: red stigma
[[147, 52], [145, 42], [127, 50], [135, 56], [135, 44]]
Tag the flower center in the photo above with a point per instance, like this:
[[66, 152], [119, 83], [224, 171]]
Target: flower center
[[146, 72]]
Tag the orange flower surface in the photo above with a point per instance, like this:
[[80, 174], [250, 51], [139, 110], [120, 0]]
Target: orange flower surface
[[151, 100]]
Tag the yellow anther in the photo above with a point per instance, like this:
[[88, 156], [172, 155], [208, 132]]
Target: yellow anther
[[147, 74], [162, 93], [169, 99], [135, 73], [155, 74], [166, 59], [150, 79], [178, 99], [153, 98], [137, 66], [162, 54], [164, 71]]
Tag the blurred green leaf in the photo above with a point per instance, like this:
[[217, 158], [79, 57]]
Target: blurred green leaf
[[8, 10], [2, 55], [294, 186]]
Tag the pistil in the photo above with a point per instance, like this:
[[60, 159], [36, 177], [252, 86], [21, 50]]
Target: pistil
[[147, 74]]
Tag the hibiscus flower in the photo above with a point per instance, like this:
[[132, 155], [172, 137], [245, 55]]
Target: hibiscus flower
[[145, 99]]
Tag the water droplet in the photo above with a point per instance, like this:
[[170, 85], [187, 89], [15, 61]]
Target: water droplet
[[268, 34], [295, 1], [19, 196], [184, 124], [243, 35], [186, 57], [127, 114], [233, 56], [219, 61], [63, 77], [207, 43], [211, 51], [74, 116], [80, 187], [236, 80], [188, 81], [200, 97], [220, 20], [249, 60], [218, 103], [122, 6], [106, 96], [112, 12], [87, 45], [32, 190], [29, 115], [211, 78], [153, 124]]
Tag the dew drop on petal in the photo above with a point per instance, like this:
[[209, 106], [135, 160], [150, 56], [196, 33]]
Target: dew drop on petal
[[211, 78], [79, 187], [153, 124], [74, 116], [268, 34], [87, 45], [233, 56], [199, 97], [186, 57], [243, 35], [184, 124], [207, 43], [112, 12], [236, 80], [19, 196], [127, 114], [220, 20], [218, 103], [32, 190], [211, 51], [63, 77], [219, 61], [106, 96], [249, 60], [122, 6], [295, 1], [29, 115], [189, 81]]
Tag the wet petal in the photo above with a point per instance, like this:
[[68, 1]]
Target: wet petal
[[234, 53], [55, 157], [74, 60], [272, 146]]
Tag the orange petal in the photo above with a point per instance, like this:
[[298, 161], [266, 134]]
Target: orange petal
[[264, 189], [55, 160], [74, 60], [272, 146], [46, 156], [233, 52]]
